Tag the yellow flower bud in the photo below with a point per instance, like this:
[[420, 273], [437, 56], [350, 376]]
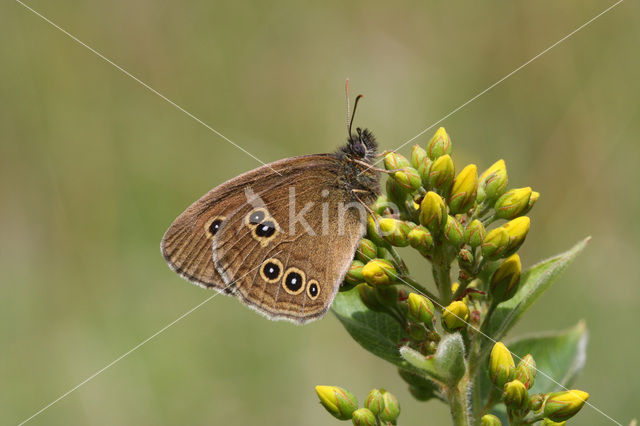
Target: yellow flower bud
[[516, 397], [363, 417], [441, 174], [433, 212], [493, 181], [513, 203], [420, 309], [354, 274], [381, 204], [561, 406], [464, 190], [440, 144], [391, 409], [501, 365], [373, 233], [395, 161], [367, 250], [490, 420], [420, 239], [374, 401], [396, 193], [526, 371], [517, 229], [408, 179], [474, 233], [394, 231], [455, 315], [453, 232], [339, 402], [505, 279], [418, 156], [532, 200], [379, 272], [495, 243]]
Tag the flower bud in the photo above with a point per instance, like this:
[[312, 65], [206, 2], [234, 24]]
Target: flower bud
[[474, 233], [433, 212], [464, 190], [493, 182], [439, 145], [453, 232], [513, 203], [381, 204], [394, 231], [339, 402], [505, 279], [441, 175], [536, 401], [369, 298], [465, 260], [516, 397], [391, 409], [374, 401], [501, 365], [396, 193], [526, 371], [517, 229], [490, 420], [408, 179], [354, 274], [455, 316], [418, 156], [420, 239], [420, 309], [395, 161], [367, 250], [373, 233], [495, 243], [532, 200], [363, 417], [379, 272], [561, 406]]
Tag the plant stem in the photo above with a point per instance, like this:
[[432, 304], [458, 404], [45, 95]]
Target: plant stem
[[442, 275], [458, 403]]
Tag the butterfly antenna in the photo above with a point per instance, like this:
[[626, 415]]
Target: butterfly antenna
[[346, 91], [353, 114]]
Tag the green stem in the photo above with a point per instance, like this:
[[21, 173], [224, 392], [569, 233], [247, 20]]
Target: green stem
[[458, 404], [442, 275]]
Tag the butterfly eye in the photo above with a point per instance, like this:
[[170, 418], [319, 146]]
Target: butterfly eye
[[359, 149], [293, 282], [313, 290], [266, 229], [271, 270]]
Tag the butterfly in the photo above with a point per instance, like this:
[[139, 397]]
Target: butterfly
[[281, 237]]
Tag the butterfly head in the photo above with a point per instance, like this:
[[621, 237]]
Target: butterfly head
[[361, 145]]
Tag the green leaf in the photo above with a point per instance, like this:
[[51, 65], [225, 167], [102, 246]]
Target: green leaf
[[559, 357], [535, 281], [379, 333]]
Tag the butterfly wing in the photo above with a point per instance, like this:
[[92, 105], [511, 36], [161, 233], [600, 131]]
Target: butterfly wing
[[187, 244], [286, 253]]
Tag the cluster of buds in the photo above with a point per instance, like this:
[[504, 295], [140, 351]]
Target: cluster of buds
[[380, 406], [515, 381], [448, 219]]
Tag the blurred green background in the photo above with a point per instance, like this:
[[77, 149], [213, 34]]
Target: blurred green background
[[94, 167]]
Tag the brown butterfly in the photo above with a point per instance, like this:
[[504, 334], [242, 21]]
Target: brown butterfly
[[281, 237]]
